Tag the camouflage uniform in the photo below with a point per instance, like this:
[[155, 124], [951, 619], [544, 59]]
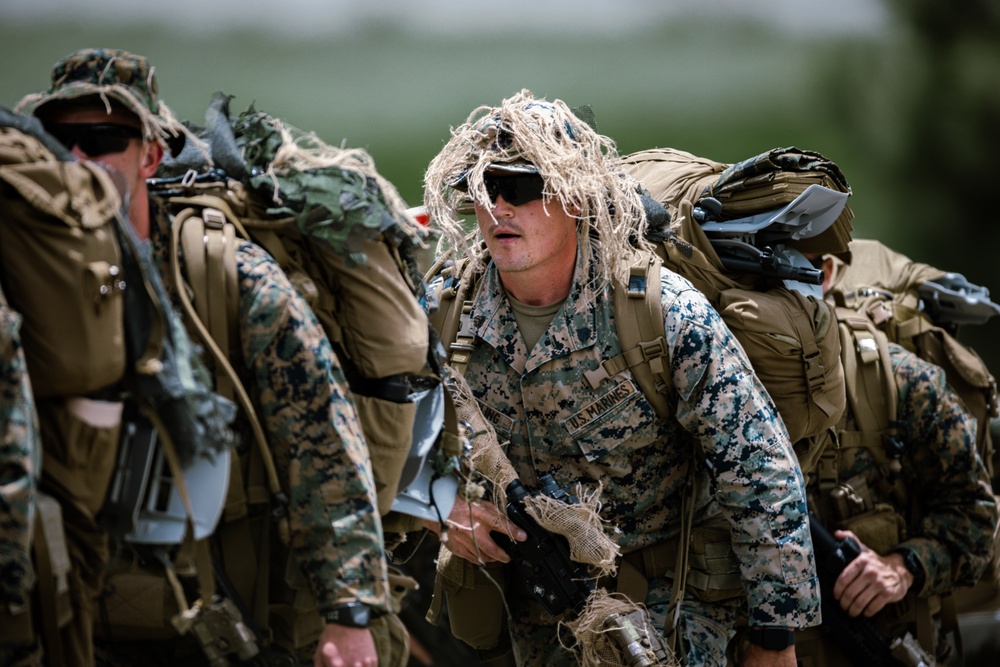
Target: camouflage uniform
[[554, 422], [290, 369], [20, 452], [316, 439], [315, 436], [945, 497]]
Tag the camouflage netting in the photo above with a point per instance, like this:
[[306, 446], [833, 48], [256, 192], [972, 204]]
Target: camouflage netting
[[334, 194], [580, 168]]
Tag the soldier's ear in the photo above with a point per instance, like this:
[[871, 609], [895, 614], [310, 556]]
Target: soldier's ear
[[152, 155]]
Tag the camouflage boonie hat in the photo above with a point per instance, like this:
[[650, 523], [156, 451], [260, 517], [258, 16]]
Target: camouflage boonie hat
[[119, 75]]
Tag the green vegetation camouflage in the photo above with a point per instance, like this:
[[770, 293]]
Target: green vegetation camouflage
[[334, 195]]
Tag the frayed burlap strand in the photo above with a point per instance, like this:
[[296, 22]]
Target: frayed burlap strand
[[486, 458], [310, 152], [581, 169], [580, 524], [594, 645]]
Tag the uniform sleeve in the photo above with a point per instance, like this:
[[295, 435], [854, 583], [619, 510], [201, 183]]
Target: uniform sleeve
[[756, 478], [953, 538], [316, 438], [19, 459]]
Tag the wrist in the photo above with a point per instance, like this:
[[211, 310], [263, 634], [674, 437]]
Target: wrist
[[771, 638], [915, 568], [351, 614]]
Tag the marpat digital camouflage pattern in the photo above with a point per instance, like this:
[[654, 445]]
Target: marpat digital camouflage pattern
[[553, 422], [314, 433], [20, 453]]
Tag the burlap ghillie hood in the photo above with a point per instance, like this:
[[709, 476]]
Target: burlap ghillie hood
[[580, 168]]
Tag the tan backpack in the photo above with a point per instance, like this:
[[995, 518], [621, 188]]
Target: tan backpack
[[57, 233], [898, 295], [790, 339], [356, 291]]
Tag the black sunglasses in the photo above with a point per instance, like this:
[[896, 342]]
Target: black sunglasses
[[516, 189], [94, 140]]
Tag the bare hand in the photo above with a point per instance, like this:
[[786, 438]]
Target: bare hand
[[468, 534], [758, 656], [870, 582], [344, 646]]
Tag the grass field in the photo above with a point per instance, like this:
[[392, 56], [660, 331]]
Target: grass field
[[726, 90]]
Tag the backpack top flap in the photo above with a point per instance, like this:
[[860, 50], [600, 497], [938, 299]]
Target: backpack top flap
[[60, 265]]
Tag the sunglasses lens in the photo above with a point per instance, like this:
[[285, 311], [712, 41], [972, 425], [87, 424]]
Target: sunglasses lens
[[517, 189], [94, 140]]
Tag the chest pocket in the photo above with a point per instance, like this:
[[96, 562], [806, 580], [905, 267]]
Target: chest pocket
[[613, 425]]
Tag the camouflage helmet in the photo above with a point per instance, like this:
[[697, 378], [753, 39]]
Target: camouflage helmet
[[112, 74]]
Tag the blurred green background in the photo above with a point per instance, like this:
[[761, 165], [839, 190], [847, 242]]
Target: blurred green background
[[903, 94]]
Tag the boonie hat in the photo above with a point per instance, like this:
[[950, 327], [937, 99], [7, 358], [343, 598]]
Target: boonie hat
[[113, 74]]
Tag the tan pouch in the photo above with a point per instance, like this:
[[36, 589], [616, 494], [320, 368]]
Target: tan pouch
[[715, 571], [81, 446], [388, 428], [138, 604], [475, 604], [880, 530]]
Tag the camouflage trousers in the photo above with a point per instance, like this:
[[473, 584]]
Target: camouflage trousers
[[705, 629]]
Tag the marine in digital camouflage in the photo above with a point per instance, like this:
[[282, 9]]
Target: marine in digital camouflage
[[552, 421], [945, 497], [314, 432], [957, 510], [20, 453], [315, 436]]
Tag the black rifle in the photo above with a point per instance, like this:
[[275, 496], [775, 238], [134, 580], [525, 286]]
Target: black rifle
[[559, 584], [856, 636]]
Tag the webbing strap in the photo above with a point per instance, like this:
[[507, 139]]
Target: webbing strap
[[48, 581], [812, 360], [222, 361], [871, 389], [641, 334], [683, 567]]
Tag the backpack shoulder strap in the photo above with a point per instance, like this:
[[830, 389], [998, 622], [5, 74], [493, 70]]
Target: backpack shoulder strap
[[871, 387], [206, 231], [453, 318], [641, 334]]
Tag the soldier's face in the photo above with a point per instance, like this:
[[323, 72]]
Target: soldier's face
[[537, 235], [113, 139]]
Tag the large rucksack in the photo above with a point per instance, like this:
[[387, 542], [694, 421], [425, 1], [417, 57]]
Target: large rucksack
[[342, 236], [921, 308], [737, 232], [97, 327], [60, 264]]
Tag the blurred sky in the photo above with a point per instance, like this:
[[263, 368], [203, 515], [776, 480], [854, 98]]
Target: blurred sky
[[452, 17]]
